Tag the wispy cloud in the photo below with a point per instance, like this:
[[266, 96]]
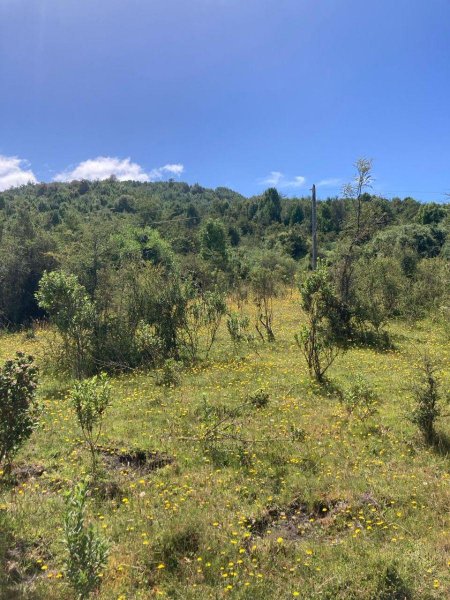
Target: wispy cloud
[[14, 171], [103, 167], [332, 182], [175, 170], [279, 179], [273, 179]]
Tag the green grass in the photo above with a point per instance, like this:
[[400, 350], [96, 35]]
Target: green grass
[[310, 505]]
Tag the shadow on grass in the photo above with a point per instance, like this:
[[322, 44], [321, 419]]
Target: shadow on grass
[[325, 388], [441, 444], [11, 577], [378, 341]]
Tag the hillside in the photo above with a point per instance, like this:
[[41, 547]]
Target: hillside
[[197, 413]]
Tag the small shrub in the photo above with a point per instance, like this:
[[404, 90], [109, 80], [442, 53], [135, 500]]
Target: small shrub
[[90, 399], [427, 398], [298, 434], [392, 587], [169, 376], [72, 312], [30, 334], [265, 287], [18, 407], [203, 317], [325, 336], [148, 344], [359, 399], [87, 553], [260, 398], [237, 326]]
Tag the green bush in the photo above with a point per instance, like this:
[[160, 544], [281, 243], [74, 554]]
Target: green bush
[[87, 553], [325, 335], [260, 398], [18, 406], [169, 375], [204, 313], [427, 400], [359, 399], [237, 326], [90, 399], [72, 312]]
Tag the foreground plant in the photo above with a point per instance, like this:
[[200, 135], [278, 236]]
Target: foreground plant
[[90, 399], [427, 400], [18, 406], [87, 553]]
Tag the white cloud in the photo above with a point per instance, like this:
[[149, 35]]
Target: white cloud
[[278, 179], [298, 181], [332, 182], [273, 179], [103, 167], [14, 172], [174, 170]]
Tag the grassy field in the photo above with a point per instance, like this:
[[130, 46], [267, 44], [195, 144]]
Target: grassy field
[[293, 499]]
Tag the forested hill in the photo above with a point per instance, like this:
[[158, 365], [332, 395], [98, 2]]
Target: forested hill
[[86, 228]]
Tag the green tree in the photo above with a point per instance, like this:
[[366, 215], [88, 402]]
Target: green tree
[[270, 207], [213, 243], [72, 312], [323, 338]]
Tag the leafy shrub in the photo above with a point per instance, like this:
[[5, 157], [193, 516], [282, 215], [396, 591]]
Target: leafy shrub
[[237, 327], [204, 314], [260, 398], [87, 553], [90, 399], [265, 289], [325, 335], [427, 398], [298, 434], [148, 344], [359, 399], [169, 375], [380, 287], [18, 407], [70, 309]]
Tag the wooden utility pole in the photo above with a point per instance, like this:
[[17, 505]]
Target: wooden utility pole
[[314, 229]]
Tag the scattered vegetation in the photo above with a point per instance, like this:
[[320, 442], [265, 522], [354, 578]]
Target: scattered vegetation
[[233, 466]]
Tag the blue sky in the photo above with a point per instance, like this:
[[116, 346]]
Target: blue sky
[[237, 93]]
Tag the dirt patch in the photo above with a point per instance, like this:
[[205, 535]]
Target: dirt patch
[[21, 473], [297, 519], [24, 560], [136, 460]]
